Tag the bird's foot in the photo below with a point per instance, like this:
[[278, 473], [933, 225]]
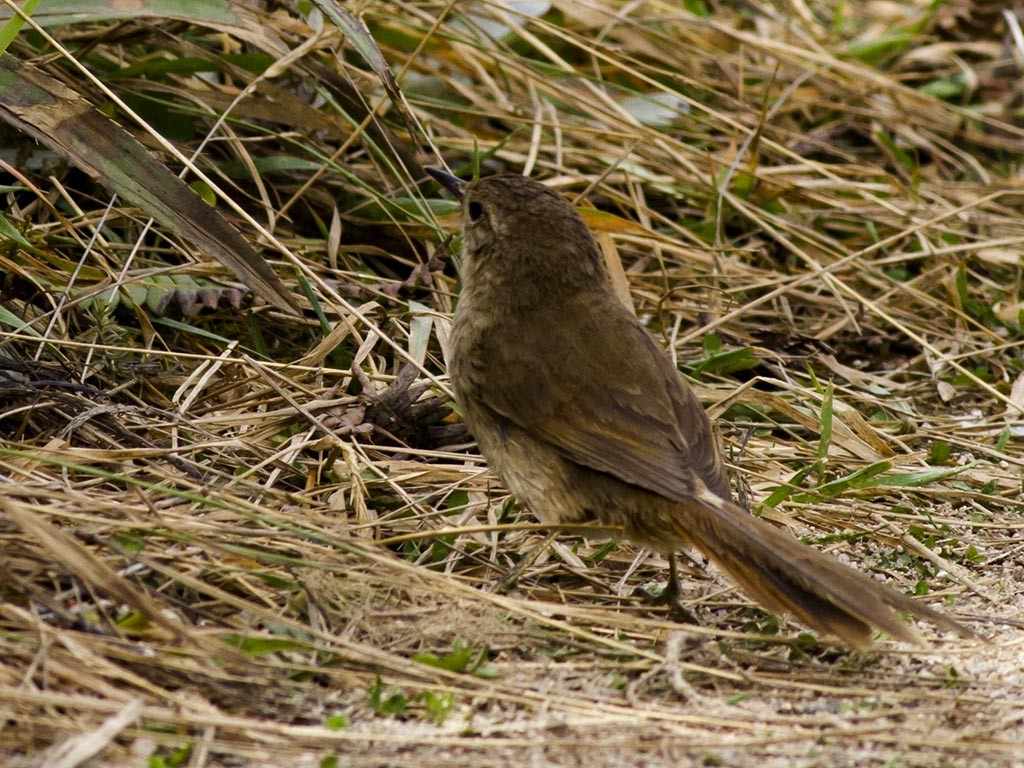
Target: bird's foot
[[671, 596]]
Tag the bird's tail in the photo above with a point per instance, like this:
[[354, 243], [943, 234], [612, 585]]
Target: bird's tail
[[787, 576]]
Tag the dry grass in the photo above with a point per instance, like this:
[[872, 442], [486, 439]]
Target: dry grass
[[210, 558]]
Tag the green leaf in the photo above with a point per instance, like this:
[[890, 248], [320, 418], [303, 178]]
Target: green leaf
[[386, 702], [698, 8], [133, 621], [129, 541], [947, 89], [787, 489], [441, 547], [899, 154], [11, 320], [712, 344], [262, 646], [952, 677], [205, 191], [726, 362], [10, 30], [187, 328], [463, 658], [439, 705], [457, 501], [979, 310], [176, 759], [457, 661], [939, 452], [865, 477], [1004, 438], [606, 549], [11, 232], [920, 479], [888, 43], [338, 722]]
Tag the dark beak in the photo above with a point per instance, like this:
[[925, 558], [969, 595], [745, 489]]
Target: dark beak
[[453, 184]]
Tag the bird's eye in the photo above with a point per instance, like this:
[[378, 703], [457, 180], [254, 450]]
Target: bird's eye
[[475, 210]]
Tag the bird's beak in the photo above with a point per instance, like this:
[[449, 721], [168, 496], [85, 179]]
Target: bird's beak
[[453, 184]]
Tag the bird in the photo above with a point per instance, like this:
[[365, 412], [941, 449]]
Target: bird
[[582, 414]]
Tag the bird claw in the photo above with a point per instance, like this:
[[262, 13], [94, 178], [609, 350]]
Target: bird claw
[[671, 597]]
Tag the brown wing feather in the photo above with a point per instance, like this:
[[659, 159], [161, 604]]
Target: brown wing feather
[[655, 438]]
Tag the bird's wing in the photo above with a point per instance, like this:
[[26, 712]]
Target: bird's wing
[[619, 407]]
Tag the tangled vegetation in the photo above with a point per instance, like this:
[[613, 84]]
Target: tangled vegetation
[[242, 524]]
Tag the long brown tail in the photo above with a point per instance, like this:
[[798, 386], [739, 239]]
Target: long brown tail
[[787, 576]]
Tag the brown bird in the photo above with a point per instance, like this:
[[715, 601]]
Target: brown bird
[[582, 414]]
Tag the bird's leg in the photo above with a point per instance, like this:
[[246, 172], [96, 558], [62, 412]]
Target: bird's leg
[[509, 580], [670, 596]]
